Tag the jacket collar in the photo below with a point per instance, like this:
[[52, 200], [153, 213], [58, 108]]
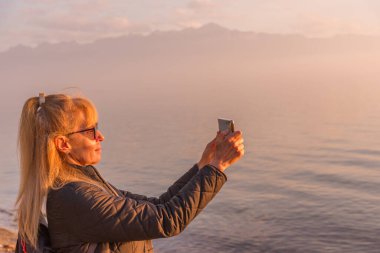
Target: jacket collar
[[80, 167], [92, 173], [88, 170]]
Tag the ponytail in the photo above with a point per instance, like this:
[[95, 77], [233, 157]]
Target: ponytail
[[42, 166]]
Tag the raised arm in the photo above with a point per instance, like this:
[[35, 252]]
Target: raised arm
[[172, 190], [207, 157], [225, 149], [97, 216]]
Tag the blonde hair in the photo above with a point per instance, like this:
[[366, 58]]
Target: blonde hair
[[42, 166]]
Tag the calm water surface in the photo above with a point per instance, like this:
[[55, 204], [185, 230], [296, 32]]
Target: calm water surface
[[309, 181]]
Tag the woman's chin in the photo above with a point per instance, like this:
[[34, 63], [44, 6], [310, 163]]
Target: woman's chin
[[96, 161]]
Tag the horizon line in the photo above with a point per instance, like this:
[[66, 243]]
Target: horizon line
[[206, 25]]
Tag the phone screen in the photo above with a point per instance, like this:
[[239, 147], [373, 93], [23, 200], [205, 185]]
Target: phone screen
[[226, 124]]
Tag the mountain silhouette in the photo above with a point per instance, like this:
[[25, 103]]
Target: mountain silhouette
[[210, 54]]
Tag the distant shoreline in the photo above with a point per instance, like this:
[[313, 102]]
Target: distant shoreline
[[7, 240]]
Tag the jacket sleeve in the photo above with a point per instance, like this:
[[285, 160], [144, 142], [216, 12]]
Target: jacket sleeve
[[172, 190], [93, 215]]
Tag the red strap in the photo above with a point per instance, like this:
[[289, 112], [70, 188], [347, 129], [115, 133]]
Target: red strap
[[23, 246]]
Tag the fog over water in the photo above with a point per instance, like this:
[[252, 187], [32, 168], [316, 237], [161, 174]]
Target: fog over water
[[308, 108]]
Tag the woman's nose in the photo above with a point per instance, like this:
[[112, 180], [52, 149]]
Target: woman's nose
[[99, 136]]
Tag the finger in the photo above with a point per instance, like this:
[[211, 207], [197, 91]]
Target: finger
[[234, 142], [213, 142], [210, 144], [216, 136], [240, 150], [236, 155], [235, 150], [220, 136], [235, 135], [238, 146], [239, 141]]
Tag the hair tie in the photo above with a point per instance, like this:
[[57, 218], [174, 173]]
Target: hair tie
[[41, 100]]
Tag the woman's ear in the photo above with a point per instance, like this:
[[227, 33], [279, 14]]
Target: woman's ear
[[62, 144]]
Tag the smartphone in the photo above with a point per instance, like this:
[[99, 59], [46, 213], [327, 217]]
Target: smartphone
[[226, 124]]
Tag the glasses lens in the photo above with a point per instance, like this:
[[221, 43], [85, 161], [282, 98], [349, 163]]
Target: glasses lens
[[95, 130], [90, 133]]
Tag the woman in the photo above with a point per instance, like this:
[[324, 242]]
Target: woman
[[59, 143]]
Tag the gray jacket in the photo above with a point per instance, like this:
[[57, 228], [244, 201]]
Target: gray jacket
[[83, 217]]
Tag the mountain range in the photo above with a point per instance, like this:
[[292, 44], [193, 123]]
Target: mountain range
[[190, 59]]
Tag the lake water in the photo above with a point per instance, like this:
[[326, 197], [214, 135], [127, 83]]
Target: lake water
[[309, 181]]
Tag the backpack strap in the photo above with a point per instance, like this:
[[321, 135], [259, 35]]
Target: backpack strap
[[23, 244]]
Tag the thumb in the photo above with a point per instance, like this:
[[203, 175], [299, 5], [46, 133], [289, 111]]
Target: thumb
[[220, 136], [212, 142]]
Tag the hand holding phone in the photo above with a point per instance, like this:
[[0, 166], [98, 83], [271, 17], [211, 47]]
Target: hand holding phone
[[225, 149]]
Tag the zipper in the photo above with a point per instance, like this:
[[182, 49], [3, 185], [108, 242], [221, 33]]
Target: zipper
[[104, 182], [98, 175]]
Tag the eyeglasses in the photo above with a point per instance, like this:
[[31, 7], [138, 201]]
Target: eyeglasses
[[89, 132]]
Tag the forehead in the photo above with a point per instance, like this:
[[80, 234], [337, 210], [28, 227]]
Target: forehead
[[85, 113], [81, 121]]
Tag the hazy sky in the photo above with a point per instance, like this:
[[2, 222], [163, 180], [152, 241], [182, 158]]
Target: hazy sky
[[30, 22]]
